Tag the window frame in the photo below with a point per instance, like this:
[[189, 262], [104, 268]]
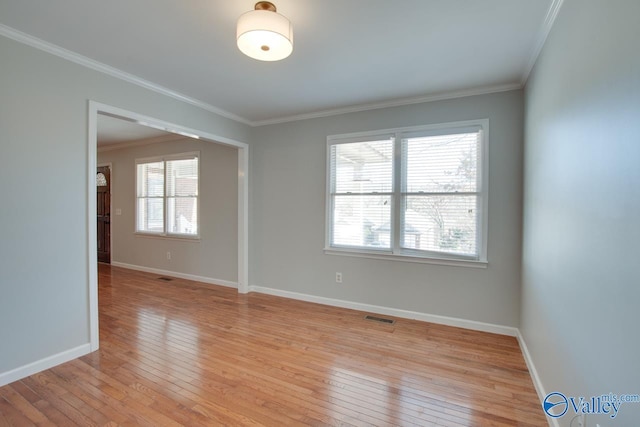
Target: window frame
[[165, 199], [395, 252]]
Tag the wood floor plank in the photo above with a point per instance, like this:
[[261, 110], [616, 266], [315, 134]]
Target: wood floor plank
[[53, 414], [21, 404], [11, 416], [183, 353]]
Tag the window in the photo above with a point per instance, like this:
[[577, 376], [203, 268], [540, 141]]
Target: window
[[167, 195], [101, 180], [415, 193]]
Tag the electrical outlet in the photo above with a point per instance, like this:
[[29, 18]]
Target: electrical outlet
[[168, 256], [338, 277]]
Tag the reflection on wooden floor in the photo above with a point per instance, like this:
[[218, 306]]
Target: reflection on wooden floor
[[185, 353]]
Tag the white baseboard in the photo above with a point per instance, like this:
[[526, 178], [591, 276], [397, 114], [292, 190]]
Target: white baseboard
[[537, 382], [43, 364], [405, 314], [158, 271]]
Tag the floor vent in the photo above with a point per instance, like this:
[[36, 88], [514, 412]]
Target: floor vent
[[166, 279], [379, 319]]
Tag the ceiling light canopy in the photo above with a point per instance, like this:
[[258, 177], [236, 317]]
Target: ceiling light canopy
[[264, 34]]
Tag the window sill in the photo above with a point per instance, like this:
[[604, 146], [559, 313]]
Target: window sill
[[407, 258], [183, 238]]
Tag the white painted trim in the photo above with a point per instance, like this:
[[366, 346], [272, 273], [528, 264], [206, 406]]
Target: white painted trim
[[130, 116], [483, 162], [209, 280], [359, 253], [537, 382], [92, 227], [43, 364], [405, 314], [162, 236], [243, 221], [549, 20], [53, 49], [391, 103]]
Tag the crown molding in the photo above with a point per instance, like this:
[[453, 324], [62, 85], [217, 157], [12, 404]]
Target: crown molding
[[53, 49], [37, 43], [549, 20], [391, 103]]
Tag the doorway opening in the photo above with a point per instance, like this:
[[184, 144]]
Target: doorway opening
[[103, 208], [97, 110]]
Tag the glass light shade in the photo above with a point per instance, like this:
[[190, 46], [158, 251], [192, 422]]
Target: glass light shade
[[265, 35]]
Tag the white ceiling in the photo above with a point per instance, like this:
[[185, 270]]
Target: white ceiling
[[113, 131], [348, 54]]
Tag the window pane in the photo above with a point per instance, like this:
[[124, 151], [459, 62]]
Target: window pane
[[362, 167], [362, 221], [182, 177], [441, 164], [440, 223], [150, 179], [183, 215], [101, 180], [150, 215]]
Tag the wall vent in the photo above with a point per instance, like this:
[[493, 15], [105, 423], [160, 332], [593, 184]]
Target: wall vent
[[379, 319]]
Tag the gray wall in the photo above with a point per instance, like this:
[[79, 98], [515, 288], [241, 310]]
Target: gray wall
[[43, 183], [288, 216], [215, 254], [581, 286]]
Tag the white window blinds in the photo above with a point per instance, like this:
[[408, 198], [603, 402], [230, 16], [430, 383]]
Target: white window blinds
[[182, 196], [167, 195], [362, 184], [150, 215], [417, 192], [440, 193]]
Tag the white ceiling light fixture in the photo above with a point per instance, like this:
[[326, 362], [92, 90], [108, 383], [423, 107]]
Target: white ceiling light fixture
[[264, 34]]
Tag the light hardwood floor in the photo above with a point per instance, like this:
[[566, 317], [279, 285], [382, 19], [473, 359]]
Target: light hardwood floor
[[185, 353]]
